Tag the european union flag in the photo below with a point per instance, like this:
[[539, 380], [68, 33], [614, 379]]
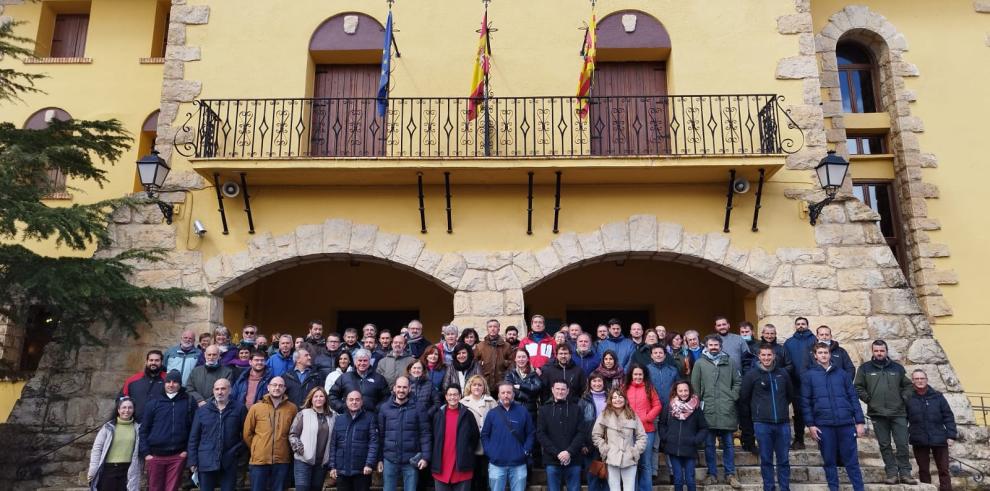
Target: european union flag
[[386, 68]]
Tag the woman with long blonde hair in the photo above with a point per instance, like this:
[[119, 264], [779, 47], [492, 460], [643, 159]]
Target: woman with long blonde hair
[[620, 438], [479, 401], [309, 437]]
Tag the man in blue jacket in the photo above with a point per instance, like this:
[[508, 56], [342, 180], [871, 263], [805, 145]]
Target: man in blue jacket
[[405, 434], [507, 438], [621, 345], [831, 410], [353, 446], [252, 384], [766, 393], [282, 360], [585, 355], [164, 436], [215, 441], [798, 348]]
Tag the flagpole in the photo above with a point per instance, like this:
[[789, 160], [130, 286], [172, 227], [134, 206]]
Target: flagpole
[[394, 42], [488, 148]]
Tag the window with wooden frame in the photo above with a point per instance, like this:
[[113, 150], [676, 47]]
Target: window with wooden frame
[[857, 78], [159, 40], [866, 144], [880, 197], [69, 35]]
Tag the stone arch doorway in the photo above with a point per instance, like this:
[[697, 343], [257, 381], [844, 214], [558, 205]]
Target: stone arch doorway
[[328, 257], [651, 291], [341, 290]]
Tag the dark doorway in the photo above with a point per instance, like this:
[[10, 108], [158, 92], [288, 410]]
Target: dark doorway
[[589, 319], [393, 320], [629, 109]]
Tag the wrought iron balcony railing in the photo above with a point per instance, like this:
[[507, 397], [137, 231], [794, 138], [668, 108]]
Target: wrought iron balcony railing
[[506, 127]]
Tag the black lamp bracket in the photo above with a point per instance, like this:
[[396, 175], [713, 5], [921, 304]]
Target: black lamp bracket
[[168, 210], [815, 209]]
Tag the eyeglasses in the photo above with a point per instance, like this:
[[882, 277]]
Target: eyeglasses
[[250, 332]]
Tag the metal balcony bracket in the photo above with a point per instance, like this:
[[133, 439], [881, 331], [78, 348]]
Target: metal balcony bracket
[[247, 203], [223, 214], [422, 206], [759, 199], [529, 207], [556, 206], [728, 200], [446, 185]]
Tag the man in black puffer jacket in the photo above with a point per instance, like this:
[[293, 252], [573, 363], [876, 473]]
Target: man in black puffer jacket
[[562, 368], [363, 379], [405, 434], [766, 392], [562, 431], [165, 427]]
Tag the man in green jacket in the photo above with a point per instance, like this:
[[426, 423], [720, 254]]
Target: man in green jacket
[[884, 386], [716, 380]]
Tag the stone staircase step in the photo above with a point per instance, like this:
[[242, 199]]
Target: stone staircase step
[[718, 487]]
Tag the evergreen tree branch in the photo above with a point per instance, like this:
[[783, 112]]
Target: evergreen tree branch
[[12, 82]]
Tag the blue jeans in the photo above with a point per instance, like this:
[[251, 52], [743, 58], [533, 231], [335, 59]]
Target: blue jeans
[[515, 475], [683, 470], [774, 439], [728, 452], [390, 476], [225, 479], [644, 469], [840, 442], [308, 477], [272, 477], [571, 475]]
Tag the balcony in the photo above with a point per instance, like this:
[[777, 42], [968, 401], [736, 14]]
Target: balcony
[[265, 135]]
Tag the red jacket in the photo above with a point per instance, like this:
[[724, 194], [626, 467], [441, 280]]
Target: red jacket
[[643, 400], [539, 352]]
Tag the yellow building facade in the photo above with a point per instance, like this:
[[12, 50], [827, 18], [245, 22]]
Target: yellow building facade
[[684, 193]]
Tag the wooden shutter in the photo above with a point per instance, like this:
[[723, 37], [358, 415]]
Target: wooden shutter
[[629, 109], [69, 35], [345, 112]]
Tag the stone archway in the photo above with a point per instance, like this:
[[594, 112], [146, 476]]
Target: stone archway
[[335, 238]]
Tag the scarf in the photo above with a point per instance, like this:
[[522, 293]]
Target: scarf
[[683, 409], [614, 373]]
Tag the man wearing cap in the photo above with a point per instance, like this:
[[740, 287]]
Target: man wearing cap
[[164, 434]]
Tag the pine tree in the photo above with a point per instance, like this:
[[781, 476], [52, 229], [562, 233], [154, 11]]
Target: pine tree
[[85, 296]]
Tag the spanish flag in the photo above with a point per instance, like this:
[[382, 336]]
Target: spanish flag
[[588, 71], [482, 63]]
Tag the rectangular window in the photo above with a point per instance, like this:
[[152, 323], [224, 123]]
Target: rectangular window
[[866, 144], [69, 35], [159, 40], [879, 196]]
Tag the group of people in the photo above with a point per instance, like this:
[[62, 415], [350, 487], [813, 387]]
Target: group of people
[[477, 412]]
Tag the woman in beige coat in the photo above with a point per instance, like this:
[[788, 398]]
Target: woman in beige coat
[[620, 437]]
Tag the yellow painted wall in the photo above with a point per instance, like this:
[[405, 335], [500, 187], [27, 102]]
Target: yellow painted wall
[[10, 392], [951, 100], [286, 300], [678, 296], [115, 85]]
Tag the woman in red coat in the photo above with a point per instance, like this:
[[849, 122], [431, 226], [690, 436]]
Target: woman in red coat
[[645, 402]]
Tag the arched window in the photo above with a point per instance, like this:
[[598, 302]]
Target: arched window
[[55, 181], [347, 51], [857, 78], [629, 104]]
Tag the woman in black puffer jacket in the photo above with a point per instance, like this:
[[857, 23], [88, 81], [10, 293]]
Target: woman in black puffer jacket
[[932, 428], [682, 427]]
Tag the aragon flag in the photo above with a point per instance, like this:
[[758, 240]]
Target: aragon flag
[[482, 63], [588, 71]]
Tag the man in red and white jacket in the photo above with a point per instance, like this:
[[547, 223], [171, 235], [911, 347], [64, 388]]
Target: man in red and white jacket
[[537, 343]]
